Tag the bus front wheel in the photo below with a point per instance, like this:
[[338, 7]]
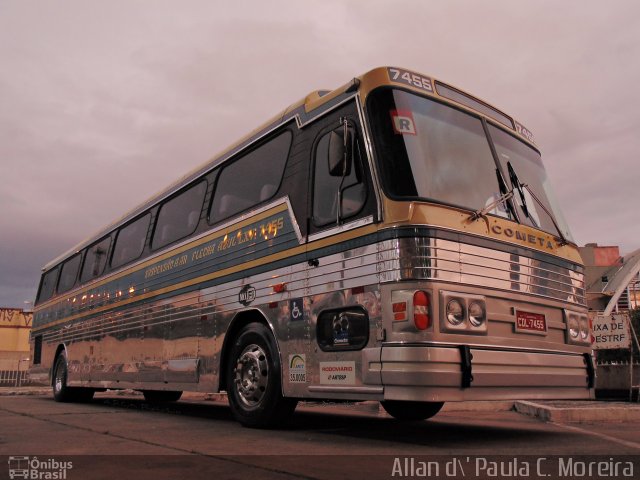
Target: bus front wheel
[[254, 386], [411, 411], [61, 391]]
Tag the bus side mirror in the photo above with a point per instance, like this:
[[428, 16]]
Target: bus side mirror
[[340, 149]]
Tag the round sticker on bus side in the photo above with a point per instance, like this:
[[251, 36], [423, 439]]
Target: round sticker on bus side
[[297, 368]]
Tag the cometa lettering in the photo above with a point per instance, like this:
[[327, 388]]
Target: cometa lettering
[[523, 237]]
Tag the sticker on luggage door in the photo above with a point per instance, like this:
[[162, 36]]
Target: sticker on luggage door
[[338, 373]]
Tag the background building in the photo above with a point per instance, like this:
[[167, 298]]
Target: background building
[[15, 326], [612, 281]]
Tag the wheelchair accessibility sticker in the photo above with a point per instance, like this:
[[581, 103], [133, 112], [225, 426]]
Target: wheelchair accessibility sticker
[[296, 309]]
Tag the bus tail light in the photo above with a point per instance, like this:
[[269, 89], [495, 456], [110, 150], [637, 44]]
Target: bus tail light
[[407, 305], [399, 311], [421, 317]]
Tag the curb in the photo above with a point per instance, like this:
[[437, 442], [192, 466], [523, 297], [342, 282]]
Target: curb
[[580, 412], [13, 391], [478, 406]]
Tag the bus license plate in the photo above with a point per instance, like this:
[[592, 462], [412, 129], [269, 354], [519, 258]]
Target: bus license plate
[[530, 322]]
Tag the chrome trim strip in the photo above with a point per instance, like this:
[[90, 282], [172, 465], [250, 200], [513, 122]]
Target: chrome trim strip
[[342, 228], [426, 258], [372, 264], [212, 231], [479, 346], [364, 390]]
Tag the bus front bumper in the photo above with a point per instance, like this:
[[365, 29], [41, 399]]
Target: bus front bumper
[[463, 373]]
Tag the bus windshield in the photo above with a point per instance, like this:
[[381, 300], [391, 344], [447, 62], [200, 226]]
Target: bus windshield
[[526, 164], [430, 151]]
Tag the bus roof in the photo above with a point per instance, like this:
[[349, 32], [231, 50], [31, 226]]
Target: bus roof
[[304, 111]]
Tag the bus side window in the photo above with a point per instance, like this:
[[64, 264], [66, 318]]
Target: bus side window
[[179, 216], [130, 241], [251, 179], [48, 285], [326, 186], [95, 260], [69, 273]]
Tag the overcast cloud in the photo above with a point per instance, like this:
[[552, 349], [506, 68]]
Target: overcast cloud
[[102, 104]]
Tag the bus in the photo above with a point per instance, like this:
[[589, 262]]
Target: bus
[[393, 240]]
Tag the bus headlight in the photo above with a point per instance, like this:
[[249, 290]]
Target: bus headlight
[[584, 329], [463, 313], [578, 327], [477, 315], [574, 327], [455, 312]]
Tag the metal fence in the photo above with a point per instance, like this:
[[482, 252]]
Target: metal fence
[[14, 378], [618, 380]]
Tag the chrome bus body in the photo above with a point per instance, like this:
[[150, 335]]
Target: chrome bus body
[[166, 322]]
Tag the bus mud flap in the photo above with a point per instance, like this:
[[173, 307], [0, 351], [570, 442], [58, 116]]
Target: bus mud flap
[[591, 371], [465, 365]]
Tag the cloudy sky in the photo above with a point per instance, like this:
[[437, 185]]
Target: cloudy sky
[[103, 103]]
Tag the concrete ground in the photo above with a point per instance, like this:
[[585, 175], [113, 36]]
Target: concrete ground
[[119, 435], [565, 411]]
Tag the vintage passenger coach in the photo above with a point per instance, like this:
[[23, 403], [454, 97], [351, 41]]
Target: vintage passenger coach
[[395, 239]]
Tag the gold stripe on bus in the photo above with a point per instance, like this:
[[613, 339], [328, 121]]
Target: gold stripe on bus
[[224, 230], [495, 228], [340, 238]]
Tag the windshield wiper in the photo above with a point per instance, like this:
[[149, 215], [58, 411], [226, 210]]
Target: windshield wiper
[[515, 183], [506, 195]]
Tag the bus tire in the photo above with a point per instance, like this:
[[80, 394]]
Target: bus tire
[[411, 411], [61, 391], [254, 386], [161, 396]]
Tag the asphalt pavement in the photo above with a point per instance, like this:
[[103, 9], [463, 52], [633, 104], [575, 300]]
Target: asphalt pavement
[[564, 411]]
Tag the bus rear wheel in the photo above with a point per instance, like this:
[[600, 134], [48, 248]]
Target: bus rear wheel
[[161, 396], [411, 411], [61, 391], [254, 386]]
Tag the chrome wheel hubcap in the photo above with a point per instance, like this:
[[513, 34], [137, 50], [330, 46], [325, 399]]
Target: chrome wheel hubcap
[[251, 375], [58, 381]]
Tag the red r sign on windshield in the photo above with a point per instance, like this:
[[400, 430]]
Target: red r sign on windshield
[[403, 123]]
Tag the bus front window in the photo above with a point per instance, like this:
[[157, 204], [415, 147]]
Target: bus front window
[[525, 162], [428, 150], [431, 151]]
